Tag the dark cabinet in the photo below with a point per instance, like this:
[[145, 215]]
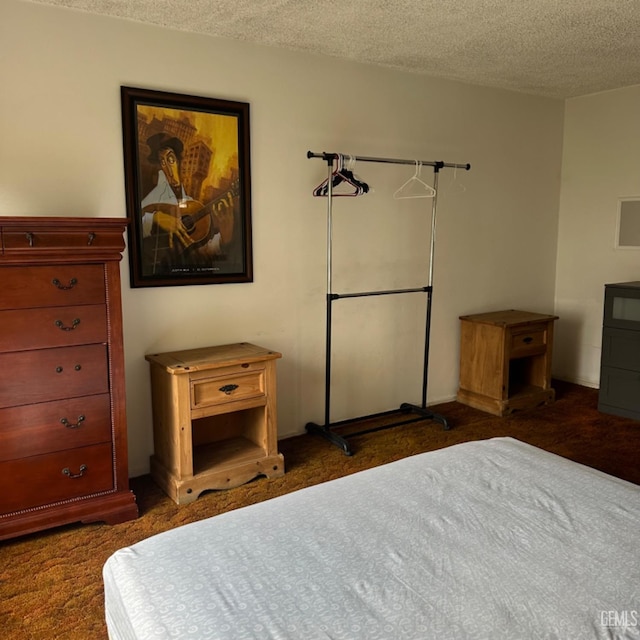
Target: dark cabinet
[[620, 361]]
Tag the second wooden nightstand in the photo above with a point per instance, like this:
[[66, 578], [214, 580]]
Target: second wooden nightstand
[[505, 360], [214, 418]]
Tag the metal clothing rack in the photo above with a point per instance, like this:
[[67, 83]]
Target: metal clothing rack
[[409, 412]]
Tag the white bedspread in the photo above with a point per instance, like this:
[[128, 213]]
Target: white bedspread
[[493, 539]]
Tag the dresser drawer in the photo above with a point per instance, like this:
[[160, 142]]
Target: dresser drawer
[[40, 480], [54, 426], [28, 377], [527, 341], [51, 286], [234, 385], [52, 327], [30, 238]]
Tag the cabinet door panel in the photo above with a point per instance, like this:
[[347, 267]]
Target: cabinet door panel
[[619, 388], [621, 349]]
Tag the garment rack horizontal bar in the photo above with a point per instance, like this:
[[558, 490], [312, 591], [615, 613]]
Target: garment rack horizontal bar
[[336, 296], [437, 164]]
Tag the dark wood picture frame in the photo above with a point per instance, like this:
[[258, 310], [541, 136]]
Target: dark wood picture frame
[[188, 188]]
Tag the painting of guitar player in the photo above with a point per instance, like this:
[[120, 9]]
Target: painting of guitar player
[[187, 181]]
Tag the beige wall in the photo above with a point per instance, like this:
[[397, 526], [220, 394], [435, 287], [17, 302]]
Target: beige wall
[[601, 164], [497, 225]]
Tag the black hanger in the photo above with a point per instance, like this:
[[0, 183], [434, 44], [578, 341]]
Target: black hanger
[[338, 176]]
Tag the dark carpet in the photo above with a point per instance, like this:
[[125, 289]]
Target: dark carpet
[[51, 582]]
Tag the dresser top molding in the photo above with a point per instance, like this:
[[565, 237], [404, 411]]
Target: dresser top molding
[[58, 221], [36, 239]]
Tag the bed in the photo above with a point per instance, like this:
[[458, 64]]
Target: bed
[[486, 539]]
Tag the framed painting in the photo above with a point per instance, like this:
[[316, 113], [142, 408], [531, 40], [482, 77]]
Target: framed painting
[[188, 188]]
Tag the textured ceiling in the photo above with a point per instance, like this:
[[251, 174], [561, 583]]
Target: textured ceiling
[[556, 48]]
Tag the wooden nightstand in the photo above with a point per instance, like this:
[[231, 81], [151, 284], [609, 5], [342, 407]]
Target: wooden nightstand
[[214, 418], [505, 361]]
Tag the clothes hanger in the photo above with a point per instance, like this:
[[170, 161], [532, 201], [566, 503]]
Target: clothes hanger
[[425, 190], [454, 181], [341, 175], [350, 177]]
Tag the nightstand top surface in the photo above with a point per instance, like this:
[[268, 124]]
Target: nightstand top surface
[[211, 357], [508, 318]]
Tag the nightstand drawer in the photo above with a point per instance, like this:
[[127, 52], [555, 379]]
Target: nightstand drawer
[[228, 388], [47, 427], [526, 342], [28, 377], [25, 329], [51, 286], [40, 480]]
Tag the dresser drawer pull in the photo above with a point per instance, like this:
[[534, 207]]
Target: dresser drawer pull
[[228, 389], [527, 340], [30, 239], [65, 287], [70, 425], [62, 327], [90, 238], [77, 367], [67, 472]]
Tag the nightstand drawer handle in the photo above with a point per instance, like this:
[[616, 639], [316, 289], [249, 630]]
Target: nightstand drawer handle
[[69, 425], [74, 324], [72, 283], [527, 340], [228, 389], [67, 472]]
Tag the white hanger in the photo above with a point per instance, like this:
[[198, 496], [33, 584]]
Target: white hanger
[[427, 191], [454, 181]]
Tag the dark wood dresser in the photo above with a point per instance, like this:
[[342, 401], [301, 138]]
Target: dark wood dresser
[[63, 430]]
